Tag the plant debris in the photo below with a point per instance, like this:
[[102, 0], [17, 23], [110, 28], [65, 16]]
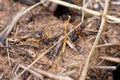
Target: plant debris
[[31, 45]]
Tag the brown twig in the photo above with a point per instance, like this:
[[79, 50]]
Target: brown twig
[[29, 78], [84, 72], [108, 44], [33, 72], [65, 32], [111, 59], [1, 76], [8, 53], [37, 73], [106, 67], [115, 3], [9, 27], [70, 43], [68, 73]]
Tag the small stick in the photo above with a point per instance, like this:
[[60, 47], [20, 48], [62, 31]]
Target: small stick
[[65, 32], [104, 60], [85, 68], [8, 53], [106, 67], [108, 44], [68, 73], [29, 78], [114, 19], [83, 13], [9, 27], [31, 7], [111, 59], [70, 43], [37, 72], [13, 70], [1, 76], [33, 72], [115, 3]]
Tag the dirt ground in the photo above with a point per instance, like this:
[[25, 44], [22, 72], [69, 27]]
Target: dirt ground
[[39, 29]]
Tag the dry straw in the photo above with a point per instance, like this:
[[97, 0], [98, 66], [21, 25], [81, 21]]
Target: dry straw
[[84, 72]]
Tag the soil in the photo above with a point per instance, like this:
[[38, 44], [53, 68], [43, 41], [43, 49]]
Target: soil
[[39, 29]]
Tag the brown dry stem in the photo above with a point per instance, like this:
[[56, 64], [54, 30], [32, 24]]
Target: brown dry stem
[[108, 44], [65, 37], [11, 24], [38, 72], [111, 59], [84, 72]]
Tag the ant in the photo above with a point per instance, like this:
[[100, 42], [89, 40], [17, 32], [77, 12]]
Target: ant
[[76, 33]]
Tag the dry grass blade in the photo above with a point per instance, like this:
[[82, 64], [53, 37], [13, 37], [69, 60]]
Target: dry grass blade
[[84, 72], [65, 32], [9, 27], [83, 13], [70, 44], [1, 76], [115, 2], [111, 59], [108, 44], [8, 54], [37, 72], [31, 7], [106, 67], [68, 73], [117, 20], [29, 78], [33, 72]]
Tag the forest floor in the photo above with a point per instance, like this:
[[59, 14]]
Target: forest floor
[[38, 30]]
